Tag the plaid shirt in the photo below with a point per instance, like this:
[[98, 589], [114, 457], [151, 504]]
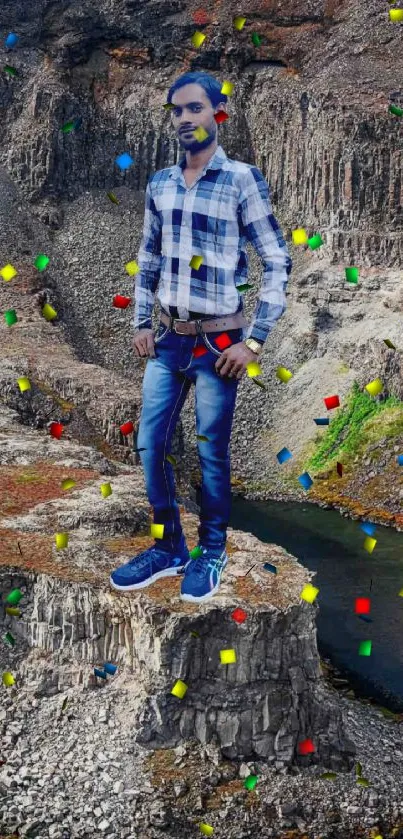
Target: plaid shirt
[[227, 205]]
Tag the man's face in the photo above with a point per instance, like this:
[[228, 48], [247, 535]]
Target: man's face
[[192, 108]]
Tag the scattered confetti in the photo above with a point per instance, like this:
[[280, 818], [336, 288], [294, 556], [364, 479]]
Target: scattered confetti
[[283, 374], [309, 593], [157, 531], [228, 656], [238, 615], [352, 275], [121, 302], [365, 648], [299, 236], [206, 829], [132, 268], [239, 23], [11, 40], [268, 567], [197, 39], [315, 242], [196, 262], [179, 689], [374, 387], [306, 747], [61, 540], [250, 782], [112, 197], [124, 161], [200, 134], [8, 272], [332, 402], [106, 490], [283, 455]]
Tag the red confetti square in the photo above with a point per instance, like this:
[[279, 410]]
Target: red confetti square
[[223, 341], [127, 428], [198, 351], [220, 116], [332, 402], [56, 429], [362, 605], [306, 747], [200, 17], [121, 302], [239, 615]]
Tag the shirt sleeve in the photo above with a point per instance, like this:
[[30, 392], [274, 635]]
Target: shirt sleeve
[[262, 230], [149, 261]]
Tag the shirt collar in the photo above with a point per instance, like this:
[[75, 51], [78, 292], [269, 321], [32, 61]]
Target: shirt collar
[[215, 162]]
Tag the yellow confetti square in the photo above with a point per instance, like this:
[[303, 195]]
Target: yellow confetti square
[[369, 544], [309, 592], [200, 133], [374, 387], [179, 689], [299, 236], [206, 829], [49, 312], [132, 268], [283, 374], [8, 679], [195, 262], [68, 483], [227, 88], [239, 23], [61, 540], [253, 369], [157, 530], [401, 592], [228, 656], [106, 490], [197, 39], [8, 272], [24, 384], [396, 14]]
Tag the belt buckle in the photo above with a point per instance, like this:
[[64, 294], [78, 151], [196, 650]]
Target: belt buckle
[[179, 320]]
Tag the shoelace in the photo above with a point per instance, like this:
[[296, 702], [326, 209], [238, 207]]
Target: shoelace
[[144, 558], [199, 566]]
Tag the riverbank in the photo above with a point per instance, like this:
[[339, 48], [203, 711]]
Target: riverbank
[[326, 492]]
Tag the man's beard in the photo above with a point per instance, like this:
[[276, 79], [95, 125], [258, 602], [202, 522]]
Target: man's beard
[[194, 145]]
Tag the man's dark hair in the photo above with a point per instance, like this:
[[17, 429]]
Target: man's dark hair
[[210, 85]]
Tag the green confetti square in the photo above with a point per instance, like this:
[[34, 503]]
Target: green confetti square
[[393, 109], [41, 261], [10, 70], [250, 782], [10, 317], [315, 242], [255, 39], [197, 551], [244, 287], [352, 275], [365, 648], [68, 127]]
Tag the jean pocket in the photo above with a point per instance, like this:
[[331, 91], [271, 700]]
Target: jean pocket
[[235, 336], [160, 333]]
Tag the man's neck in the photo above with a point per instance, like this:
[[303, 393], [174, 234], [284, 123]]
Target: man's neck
[[201, 158]]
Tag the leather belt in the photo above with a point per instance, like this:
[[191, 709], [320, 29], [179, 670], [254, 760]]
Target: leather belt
[[197, 327]]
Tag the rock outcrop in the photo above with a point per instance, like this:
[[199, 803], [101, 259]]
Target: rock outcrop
[[262, 706]]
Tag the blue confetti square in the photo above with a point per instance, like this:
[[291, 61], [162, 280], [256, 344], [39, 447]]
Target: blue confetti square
[[283, 455], [305, 480], [400, 459], [110, 668], [12, 40], [124, 161], [268, 567], [322, 421], [99, 673], [368, 527]]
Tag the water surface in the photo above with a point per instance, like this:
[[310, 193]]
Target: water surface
[[331, 545]]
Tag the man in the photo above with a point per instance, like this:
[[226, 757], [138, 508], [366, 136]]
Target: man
[[206, 206]]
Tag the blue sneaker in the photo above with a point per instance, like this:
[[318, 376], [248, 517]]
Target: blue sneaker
[[148, 566], [203, 575]]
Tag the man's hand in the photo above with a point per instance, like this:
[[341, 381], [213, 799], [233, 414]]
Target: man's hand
[[143, 343], [234, 360]]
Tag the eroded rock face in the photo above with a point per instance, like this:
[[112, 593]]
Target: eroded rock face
[[262, 706]]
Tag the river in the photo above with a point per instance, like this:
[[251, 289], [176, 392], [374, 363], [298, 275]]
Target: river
[[325, 542]]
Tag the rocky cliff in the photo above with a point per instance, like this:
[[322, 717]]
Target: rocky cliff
[[310, 108]]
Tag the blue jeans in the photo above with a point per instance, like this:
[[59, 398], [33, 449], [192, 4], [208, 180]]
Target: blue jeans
[[166, 383]]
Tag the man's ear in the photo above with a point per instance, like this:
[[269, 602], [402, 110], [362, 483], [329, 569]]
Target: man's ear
[[222, 106]]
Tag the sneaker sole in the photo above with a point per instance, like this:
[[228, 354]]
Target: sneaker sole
[[189, 598], [170, 572]]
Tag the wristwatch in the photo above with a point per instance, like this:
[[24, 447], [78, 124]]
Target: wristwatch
[[254, 345]]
